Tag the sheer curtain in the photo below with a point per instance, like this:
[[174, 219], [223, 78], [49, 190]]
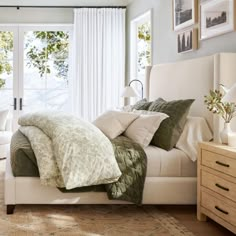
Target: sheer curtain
[[98, 60]]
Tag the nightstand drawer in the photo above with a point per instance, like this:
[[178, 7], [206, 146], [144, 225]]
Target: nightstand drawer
[[219, 185], [219, 162], [223, 210]]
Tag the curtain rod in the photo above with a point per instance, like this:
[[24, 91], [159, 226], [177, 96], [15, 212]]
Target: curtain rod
[[18, 7]]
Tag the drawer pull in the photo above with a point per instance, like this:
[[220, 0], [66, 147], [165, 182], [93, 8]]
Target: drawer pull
[[222, 164], [219, 209], [221, 187]]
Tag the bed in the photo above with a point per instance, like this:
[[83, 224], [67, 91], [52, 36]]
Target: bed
[[181, 80]]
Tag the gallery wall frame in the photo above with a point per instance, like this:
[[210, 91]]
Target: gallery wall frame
[[187, 40], [217, 17], [184, 13]]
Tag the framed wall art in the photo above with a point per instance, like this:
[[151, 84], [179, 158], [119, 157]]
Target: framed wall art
[[217, 17], [187, 40], [184, 13]]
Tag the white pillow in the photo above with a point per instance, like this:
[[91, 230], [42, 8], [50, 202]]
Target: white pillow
[[195, 130], [144, 127], [127, 108], [3, 119], [114, 123]]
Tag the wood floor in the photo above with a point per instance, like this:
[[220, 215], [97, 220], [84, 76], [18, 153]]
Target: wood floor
[[186, 215]]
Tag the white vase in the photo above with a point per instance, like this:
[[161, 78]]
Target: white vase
[[232, 139], [224, 133]]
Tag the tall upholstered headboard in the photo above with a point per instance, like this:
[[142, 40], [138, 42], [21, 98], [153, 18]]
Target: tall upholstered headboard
[[193, 79]]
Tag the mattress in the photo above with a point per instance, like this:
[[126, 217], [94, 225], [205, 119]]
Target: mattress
[[174, 163]]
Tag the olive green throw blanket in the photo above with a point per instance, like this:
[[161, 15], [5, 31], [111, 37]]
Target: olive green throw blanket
[[130, 157]]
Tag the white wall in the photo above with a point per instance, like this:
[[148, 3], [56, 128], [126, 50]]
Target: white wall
[[35, 15], [41, 15], [164, 38], [67, 2]]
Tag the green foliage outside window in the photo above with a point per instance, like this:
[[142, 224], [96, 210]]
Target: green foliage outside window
[[55, 47], [144, 52], [6, 46]]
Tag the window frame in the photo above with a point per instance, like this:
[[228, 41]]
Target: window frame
[[140, 19], [41, 27], [18, 58]]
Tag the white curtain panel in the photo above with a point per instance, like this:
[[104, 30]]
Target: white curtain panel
[[98, 60]]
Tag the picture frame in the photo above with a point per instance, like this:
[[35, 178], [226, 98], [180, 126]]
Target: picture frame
[[184, 13], [217, 17], [187, 40]]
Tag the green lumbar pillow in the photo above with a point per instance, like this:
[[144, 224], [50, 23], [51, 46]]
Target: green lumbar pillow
[[171, 128], [142, 105]]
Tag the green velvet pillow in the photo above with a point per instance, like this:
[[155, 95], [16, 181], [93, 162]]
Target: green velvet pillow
[[171, 128], [142, 105]]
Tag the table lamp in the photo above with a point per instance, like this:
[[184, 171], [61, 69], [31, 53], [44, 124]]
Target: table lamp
[[131, 92]]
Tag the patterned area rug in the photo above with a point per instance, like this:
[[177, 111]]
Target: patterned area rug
[[87, 220]]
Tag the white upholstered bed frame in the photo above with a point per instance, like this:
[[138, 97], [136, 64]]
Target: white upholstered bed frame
[[180, 80]]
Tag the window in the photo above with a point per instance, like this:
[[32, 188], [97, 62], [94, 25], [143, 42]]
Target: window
[[6, 69], [34, 68], [46, 68], [141, 46]]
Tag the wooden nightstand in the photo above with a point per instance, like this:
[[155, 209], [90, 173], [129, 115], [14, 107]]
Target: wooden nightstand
[[217, 184]]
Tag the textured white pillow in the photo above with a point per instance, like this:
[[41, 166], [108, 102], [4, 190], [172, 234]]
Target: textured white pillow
[[3, 119], [144, 127], [127, 108], [114, 123], [195, 130]]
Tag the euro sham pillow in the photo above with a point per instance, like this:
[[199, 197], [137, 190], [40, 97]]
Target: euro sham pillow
[[114, 123], [127, 108], [3, 119], [144, 127], [195, 130], [171, 128], [141, 105]]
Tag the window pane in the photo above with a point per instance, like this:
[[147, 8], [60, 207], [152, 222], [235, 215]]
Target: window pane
[[6, 56], [144, 47], [7, 74], [46, 69], [58, 77], [35, 45], [34, 100], [6, 98], [6, 45], [58, 45], [57, 100], [32, 77]]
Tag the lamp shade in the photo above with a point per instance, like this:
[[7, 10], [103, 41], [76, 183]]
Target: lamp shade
[[230, 95], [129, 92]]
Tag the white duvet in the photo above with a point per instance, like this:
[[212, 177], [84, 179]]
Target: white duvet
[[70, 152]]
